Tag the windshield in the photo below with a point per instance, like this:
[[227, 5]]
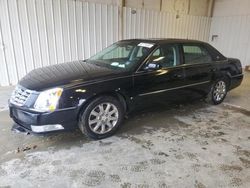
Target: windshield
[[122, 55]]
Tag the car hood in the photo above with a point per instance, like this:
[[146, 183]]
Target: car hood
[[62, 74]]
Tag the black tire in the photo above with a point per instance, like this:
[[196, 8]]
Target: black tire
[[83, 122], [211, 97]]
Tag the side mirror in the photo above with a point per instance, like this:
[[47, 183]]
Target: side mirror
[[153, 66]]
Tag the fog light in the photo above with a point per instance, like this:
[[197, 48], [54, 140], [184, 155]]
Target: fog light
[[46, 128]]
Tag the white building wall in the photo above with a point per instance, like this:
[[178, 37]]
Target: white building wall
[[190, 7], [37, 33], [230, 29], [142, 23], [231, 7]]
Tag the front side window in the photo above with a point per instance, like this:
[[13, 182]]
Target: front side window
[[122, 55], [166, 56], [194, 54]]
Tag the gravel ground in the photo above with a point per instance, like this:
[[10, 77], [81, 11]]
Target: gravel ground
[[189, 145]]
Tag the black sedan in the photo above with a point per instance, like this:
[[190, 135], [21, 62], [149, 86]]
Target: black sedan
[[96, 93]]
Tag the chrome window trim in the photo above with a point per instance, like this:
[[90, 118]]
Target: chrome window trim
[[178, 66], [150, 55], [174, 88], [237, 75]]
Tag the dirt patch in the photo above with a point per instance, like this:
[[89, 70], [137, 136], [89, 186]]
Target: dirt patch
[[191, 156], [139, 167], [230, 168], [93, 178], [2, 171], [157, 161], [236, 182], [25, 148], [162, 185], [242, 152], [216, 127], [147, 144], [163, 154], [126, 185], [115, 178], [237, 109], [245, 162], [102, 143], [199, 184]]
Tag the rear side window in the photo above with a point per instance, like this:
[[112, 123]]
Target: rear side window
[[194, 54]]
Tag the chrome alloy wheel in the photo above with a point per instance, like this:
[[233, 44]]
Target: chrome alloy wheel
[[103, 118], [220, 91]]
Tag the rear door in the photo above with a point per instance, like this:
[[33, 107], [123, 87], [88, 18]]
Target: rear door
[[198, 68]]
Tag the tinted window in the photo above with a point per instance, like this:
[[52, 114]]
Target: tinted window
[[140, 52], [121, 52], [196, 54], [166, 56], [122, 55]]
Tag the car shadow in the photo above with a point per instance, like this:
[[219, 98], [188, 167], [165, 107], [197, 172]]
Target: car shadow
[[157, 115], [153, 116]]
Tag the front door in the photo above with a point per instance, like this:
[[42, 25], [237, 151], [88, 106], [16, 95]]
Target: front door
[[163, 83]]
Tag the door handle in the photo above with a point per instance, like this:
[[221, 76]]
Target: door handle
[[177, 76], [213, 69]]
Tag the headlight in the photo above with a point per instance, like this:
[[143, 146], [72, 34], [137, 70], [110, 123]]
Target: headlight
[[48, 100]]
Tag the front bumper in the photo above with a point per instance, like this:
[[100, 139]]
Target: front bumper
[[37, 122]]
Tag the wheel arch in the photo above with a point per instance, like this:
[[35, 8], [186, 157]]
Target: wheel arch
[[118, 95], [223, 74]]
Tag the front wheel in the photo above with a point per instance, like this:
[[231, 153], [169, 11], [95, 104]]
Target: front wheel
[[218, 92], [101, 118]]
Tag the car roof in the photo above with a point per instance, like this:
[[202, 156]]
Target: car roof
[[162, 40]]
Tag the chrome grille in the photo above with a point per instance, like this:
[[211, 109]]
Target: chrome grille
[[20, 96]]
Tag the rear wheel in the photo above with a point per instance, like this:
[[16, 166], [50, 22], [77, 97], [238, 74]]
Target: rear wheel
[[218, 91], [101, 118]]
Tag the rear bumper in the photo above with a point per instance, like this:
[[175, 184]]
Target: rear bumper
[[236, 81], [37, 122]]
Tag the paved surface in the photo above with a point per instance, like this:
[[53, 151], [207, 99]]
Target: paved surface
[[5, 93], [190, 145], [241, 96]]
